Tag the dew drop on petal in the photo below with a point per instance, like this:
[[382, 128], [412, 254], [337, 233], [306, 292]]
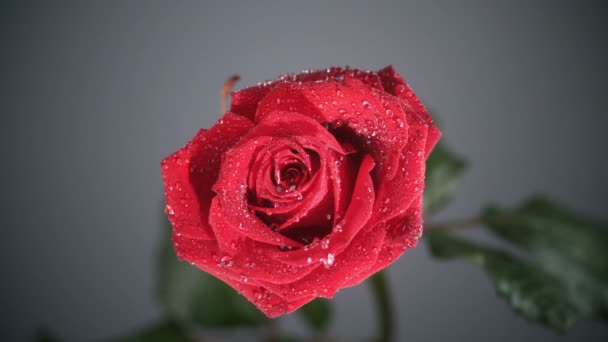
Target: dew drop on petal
[[329, 261], [169, 210], [226, 261], [325, 244]]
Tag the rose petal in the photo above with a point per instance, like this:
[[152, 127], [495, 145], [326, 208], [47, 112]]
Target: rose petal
[[401, 233], [189, 173], [343, 180], [357, 215], [233, 224], [245, 101], [250, 256], [396, 195], [203, 254], [361, 254], [395, 84], [376, 122]]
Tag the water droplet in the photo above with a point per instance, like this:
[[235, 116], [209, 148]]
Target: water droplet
[[258, 294], [280, 189], [328, 217], [226, 261], [299, 197], [325, 244], [309, 260], [329, 261], [244, 279], [169, 210], [365, 104]]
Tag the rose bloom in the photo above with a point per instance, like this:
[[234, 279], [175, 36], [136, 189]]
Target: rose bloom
[[308, 184]]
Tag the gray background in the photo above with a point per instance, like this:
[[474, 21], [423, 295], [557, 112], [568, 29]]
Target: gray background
[[95, 94]]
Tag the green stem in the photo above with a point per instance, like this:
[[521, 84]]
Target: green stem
[[385, 308]]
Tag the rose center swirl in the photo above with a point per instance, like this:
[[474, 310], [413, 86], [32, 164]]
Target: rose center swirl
[[291, 190]]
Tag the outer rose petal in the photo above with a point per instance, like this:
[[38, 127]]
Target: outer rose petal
[[401, 233], [189, 173], [396, 195], [249, 256], [205, 256], [245, 101], [395, 84], [360, 255]]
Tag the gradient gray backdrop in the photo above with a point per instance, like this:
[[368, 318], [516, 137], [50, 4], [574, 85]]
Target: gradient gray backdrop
[[95, 94]]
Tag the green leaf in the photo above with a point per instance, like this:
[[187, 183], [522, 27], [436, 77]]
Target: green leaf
[[161, 332], [572, 248], [191, 296], [564, 276], [444, 172], [531, 292], [317, 314]]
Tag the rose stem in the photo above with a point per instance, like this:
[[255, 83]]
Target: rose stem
[[228, 85], [385, 308]]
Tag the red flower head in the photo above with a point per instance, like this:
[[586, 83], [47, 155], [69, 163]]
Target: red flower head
[[308, 184]]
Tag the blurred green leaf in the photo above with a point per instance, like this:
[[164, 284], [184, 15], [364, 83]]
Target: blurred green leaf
[[192, 296], [317, 314], [564, 276], [569, 246], [444, 172], [530, 291], [162, 332]]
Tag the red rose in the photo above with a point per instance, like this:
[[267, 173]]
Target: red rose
[[309, 184]]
